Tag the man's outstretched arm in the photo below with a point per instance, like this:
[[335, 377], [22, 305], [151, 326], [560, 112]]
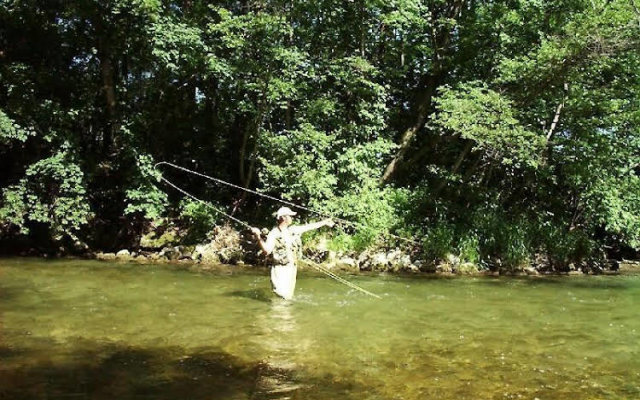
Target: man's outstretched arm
[[300, 229]]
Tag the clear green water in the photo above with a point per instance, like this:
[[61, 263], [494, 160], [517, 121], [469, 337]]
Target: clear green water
[[79, 329]]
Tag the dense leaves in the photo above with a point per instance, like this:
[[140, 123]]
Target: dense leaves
[[52, 193], [497, 131]]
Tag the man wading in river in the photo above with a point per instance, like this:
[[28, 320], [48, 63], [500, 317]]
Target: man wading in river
[[284, 245]]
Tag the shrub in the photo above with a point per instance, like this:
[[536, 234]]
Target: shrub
[[198, 219], [52, 193]]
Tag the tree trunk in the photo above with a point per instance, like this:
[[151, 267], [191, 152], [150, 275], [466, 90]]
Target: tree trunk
[[440, 41], [423, 109], [107, 73]]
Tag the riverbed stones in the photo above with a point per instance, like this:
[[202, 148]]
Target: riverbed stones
[[171, 253], [230, 255], [156, 258], [394, 261], [531, 271], [346, 264], [629, 266], [402, 262], [106, 256], [379, 262], [124, 255], [452, 260], [226, 246], [466, 268], [363, 263], [444, 268], [207, 254]]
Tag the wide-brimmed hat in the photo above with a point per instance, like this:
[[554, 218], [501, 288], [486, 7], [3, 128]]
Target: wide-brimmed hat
[[283, 211]]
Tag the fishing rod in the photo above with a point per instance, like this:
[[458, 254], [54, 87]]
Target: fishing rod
[[244, 224], [289, 203]]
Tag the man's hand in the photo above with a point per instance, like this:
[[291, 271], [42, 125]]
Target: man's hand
[[256, 232]]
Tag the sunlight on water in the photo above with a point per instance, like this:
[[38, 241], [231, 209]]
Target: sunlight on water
[[83, 329]]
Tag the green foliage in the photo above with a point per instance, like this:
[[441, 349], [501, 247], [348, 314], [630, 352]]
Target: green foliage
[[373, 210], [564, 247], [145, 197], [503, 237], [52, 193], [176, 45], [296, 165], [482, 115], [199, 220], [469, 248], [514, 125], [438, 241], [615, 204], [10, 131]]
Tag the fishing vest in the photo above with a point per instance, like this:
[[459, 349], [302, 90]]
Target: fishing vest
[[286, 251]]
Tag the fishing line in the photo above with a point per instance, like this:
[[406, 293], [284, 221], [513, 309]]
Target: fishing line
[[266, 196], [244, 224], [338, 278], [207, 204]]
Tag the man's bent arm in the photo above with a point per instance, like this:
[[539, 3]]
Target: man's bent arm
[[266, 246]]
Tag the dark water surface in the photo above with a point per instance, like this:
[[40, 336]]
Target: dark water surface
[[91, 330]]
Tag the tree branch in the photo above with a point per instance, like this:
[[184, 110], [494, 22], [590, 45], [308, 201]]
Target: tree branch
[[556, 117]]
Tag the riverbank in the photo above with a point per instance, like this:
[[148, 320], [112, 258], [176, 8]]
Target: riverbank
[[228, 246], [367, 262]]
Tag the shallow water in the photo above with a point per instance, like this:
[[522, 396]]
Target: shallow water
[[84, 329]]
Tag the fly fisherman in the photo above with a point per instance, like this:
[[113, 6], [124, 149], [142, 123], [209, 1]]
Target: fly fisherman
[[284, 245]]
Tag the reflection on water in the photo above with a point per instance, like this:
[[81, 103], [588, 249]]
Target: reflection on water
[[281, 340], [73, 329]]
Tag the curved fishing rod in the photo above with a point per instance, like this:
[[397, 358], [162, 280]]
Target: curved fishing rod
[[244, 224], [266, 196]]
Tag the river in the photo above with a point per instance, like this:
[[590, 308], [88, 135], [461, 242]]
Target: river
[[75, 329]]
